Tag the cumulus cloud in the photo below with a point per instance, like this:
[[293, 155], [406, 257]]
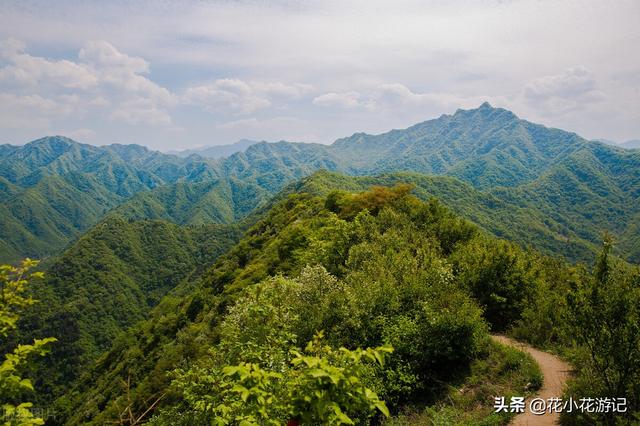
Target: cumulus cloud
[[103, 77], [282, 90], [575, 88], [17, 111], [395, 96], [366, 66], [226, 95], [103, 55], [24, 69], [232, 95], [347, 100], [123, 74], [109, 83]]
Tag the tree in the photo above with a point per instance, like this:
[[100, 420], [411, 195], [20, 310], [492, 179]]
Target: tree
[[500, 276], [318, 386], [604, 319], [13, 286]]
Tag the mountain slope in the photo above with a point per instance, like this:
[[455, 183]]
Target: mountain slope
[[593, 191], [498, 212], [486, 147], [379, 253], [108, 281], [54, 189]]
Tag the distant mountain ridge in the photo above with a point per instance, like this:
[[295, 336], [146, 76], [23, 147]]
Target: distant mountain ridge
[[630, 144], [485, 146], [216, 151], [54, 189]]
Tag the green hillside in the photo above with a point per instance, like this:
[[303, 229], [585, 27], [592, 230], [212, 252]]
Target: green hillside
[[486, 147], [147, 318], [215, 201], [500, 212], [55, 189], [375, 271], [108, 281]]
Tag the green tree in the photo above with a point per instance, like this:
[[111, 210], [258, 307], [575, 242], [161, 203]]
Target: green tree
[[604, 319], [320, 385], [13, 299], [499, 275]]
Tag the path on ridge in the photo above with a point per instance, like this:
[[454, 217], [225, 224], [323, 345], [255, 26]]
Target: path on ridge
[[555, 373]]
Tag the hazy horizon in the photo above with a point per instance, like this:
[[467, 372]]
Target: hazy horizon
[[171, 150]]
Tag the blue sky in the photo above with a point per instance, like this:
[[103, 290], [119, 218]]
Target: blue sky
[[180, 74]]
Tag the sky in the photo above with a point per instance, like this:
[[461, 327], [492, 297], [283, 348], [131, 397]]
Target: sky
[[185, 74]]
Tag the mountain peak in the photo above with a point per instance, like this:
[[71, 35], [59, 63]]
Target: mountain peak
[[52, 141], [485, 111]]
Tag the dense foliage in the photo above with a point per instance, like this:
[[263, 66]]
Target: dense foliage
[[105, 283], [593, 318], [371, 269], [13, 387]]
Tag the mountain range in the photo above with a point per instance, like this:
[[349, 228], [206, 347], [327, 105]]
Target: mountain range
[[54, 189], [145, 251]]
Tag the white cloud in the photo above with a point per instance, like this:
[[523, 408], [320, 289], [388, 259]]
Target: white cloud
[[575, 88], [102, 78], [232, 95], [24, 69], [17, 111], [396, 97], [122, 74], [103, 55], [347, 100], [112, 84], [282, 90], [369, 66], [226, 95]]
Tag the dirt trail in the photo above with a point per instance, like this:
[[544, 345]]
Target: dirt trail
[[555, 373]]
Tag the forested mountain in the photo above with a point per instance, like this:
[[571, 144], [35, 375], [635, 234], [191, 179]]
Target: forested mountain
[[392, 256], [185, 203], [573, 189], [368, 268], [511, 217], [350, 245], [54, 189], [108, 281], [486, 147]]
